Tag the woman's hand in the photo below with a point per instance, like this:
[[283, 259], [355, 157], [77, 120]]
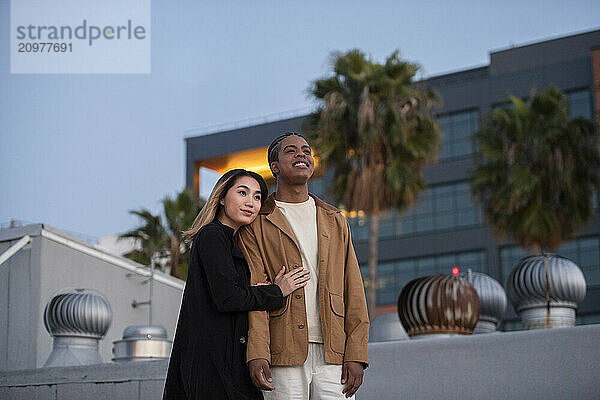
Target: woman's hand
[[293, 280]]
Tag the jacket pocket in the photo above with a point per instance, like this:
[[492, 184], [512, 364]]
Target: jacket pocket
[[337, 304], [277, 332], [278, 326], [338, 333]]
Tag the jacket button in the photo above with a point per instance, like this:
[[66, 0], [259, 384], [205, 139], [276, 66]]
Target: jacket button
[[296, 266], [298, 296], [301, 326], [242, 340]]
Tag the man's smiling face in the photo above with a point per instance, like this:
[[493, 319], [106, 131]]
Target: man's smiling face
[[296, 164]]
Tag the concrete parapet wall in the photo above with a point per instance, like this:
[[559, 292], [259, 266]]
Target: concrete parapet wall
[[142, 380], [554, 364]]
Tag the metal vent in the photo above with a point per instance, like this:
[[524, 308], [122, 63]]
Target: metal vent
[[492, 301], [546, 302], [142, 342], [77, 319]]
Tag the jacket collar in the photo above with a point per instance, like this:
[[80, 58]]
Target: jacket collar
[[229, 232], [227, 229], [269, 205], [325, 214]]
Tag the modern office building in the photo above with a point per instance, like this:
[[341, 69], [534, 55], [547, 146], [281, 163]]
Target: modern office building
[[447, 228]]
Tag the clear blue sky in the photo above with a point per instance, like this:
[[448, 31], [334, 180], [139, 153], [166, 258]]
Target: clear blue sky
[[78, 151]]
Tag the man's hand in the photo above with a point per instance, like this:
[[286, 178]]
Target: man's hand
[[352, 376], [259, 370]]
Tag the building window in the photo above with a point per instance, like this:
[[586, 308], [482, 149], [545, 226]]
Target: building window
[[319, 186], [584, 252], [587, 319], [509, 326], [439, 208], [457, 133], [393, 275], [580, 102]]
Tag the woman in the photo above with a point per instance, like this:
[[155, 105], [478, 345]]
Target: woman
[[208, 360]]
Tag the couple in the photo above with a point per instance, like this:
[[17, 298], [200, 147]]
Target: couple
[[305, 335]]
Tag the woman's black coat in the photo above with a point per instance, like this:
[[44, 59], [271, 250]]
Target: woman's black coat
[[208, 360]]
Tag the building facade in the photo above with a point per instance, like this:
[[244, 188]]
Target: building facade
[[447, 228], [54, 260]]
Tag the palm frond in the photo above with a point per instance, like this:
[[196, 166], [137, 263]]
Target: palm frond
[[537, 169]]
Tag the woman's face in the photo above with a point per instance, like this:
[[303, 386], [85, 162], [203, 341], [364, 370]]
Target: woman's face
[[242, 203]]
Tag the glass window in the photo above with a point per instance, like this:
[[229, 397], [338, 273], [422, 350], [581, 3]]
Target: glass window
[[386, 287], [447, 261], [580, 102], [405, 272], [424, 223], [359, 228], [426, 265], [441, 207], [405, 225], [475, 260], [444, 201], [392, 276], [387, 226], [457, 131], [508, 326], [446, 221], [320, 186], [588, 319]]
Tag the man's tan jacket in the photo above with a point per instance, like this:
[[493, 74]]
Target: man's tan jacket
[[281, 336]]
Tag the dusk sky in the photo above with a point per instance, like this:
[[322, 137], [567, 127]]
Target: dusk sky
[[77, 151]]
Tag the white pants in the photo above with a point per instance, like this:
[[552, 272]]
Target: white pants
[[314, 380]]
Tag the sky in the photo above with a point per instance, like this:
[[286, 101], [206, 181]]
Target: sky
[[78, 151]]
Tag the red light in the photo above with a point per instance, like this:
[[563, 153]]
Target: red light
[[455, 271]]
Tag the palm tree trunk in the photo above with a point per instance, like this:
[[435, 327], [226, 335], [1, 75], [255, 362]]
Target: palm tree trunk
[[373, 239], [175, 256]]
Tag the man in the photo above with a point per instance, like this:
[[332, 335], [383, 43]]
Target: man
[[316, 345]]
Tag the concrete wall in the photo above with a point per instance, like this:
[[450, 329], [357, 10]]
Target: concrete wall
[[122, 381], [544, 364], [31, 277], [555, 364], [18, 305]]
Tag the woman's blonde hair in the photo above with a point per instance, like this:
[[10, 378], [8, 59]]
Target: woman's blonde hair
[[213, 206]]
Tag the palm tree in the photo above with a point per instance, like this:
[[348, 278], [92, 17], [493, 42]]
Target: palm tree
[[536, 172], [179, 213], [151, 235], [375, 128]]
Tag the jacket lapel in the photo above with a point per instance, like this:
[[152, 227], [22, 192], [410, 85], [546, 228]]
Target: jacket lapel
[[274, 216], [324, 227], [325, 218]]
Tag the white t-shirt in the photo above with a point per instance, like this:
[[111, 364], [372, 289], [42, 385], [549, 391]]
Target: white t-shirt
[[302, 218]]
